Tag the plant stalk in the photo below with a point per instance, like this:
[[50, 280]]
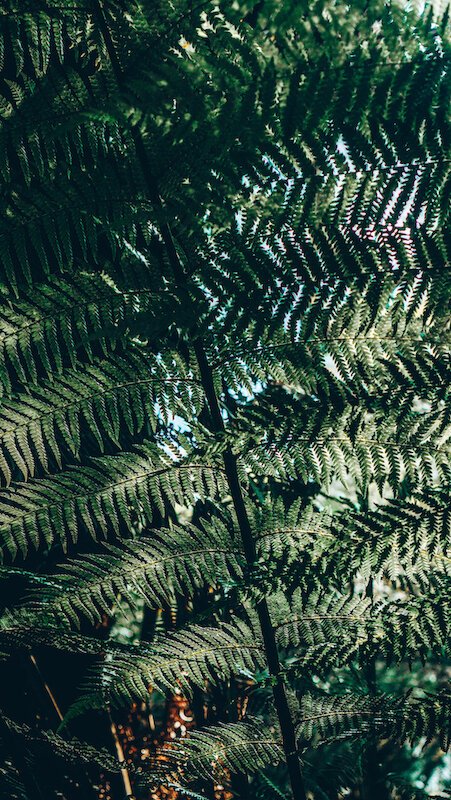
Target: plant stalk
[[269, 640]]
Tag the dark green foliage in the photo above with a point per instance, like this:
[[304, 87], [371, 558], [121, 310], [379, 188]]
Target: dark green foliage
[[156, 567], [68, 749], [224, 283]]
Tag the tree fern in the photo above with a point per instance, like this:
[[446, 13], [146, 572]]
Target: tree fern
[[224, 364]]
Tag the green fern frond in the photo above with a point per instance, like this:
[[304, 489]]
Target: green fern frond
[[127, 392], [157, 567], [403, 538], [70, 123], [322, 448], [99, 496], [347, 716], [239, 747], [31, 634], [31, 32], [183, 659], [409, 537], [71, 750], [384, 345], [334, 629], [81, 215], [267, 789], [414, 627], [57, 323], [319, 621]]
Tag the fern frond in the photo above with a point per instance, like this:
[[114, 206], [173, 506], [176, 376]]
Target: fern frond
[[334, 629], [415, 627], [321, 620], [11, 784], [57, 323], [81, 215], [346, 346], [30, 634], [321, 447], [239, 747], [347, 716], [402, 537], [179, 660], [71, 750], [71, 123], [38, 34], [99, 496], [407, 538], [157, 567], [104, 396]]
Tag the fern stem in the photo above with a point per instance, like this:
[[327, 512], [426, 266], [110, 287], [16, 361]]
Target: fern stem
[[374, 786], [231, 472], [269, 640], [47, 689], [121, 758]]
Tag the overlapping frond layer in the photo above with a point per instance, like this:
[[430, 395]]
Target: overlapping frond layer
[[58, 323], [348, 343], [80, 216], [31, 634], [404, 538], [32, 37], [347, 716], [128, 393], [409, 537], [335, 629], [239, 747], [223, 254], [321, 445], [71, 750], [245, 746]]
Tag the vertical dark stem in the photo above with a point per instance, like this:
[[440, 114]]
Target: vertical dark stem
[[230, 464], [121, 758], [272, 655]]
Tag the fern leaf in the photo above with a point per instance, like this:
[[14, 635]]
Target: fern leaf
[[239, 747], [157, 567], [56, 324], [188, 657], [98, 497], [347, 716], [103, 395], [71, 750]]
